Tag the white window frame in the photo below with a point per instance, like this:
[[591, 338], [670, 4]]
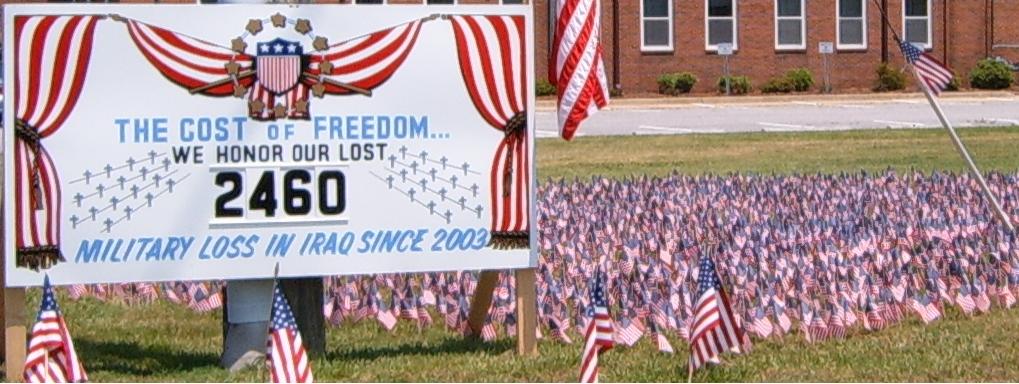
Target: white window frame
[[735, 26], [838, 24], [803, 28], [930, 28], [657, 48]]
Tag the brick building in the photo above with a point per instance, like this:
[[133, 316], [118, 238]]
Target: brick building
[[646, 38], [643, 39]]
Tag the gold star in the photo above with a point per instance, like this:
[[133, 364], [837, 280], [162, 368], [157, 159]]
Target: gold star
[[232, 67], [240, 90], [303, 26], [318, 90], [278, 20], [280, 110], [301, 106], [326, 67], [238, 45], [254, 26], [320, 43], [256, 106]]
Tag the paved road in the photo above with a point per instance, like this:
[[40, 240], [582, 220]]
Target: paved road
[[828, 115]]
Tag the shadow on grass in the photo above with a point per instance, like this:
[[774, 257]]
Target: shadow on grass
[[132, 359], [449, 345]]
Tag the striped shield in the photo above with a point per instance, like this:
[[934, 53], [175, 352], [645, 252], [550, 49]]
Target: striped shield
[[278, 65]]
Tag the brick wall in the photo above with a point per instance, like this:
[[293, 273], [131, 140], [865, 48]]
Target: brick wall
[[968, 36], [1006, 30]]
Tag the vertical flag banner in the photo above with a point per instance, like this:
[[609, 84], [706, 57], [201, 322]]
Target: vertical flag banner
[[286, 357], [576, 66], [196, 142], [714, 329], [51, 356]]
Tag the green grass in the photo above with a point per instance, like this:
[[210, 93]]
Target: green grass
[[827, 152], [165, 342]]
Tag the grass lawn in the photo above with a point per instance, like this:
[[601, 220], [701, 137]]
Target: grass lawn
[[165, 342]]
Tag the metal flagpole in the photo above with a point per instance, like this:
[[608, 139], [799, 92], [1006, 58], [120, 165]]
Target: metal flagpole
[[268, 324], [998, 211]]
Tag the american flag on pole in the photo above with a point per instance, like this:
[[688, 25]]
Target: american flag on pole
[[598, 337], [929, 70], [287, 359], [714, 327], [51, 356], [575, 66]]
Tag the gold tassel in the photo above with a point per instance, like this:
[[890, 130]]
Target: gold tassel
[[36, 258], [510, 240]]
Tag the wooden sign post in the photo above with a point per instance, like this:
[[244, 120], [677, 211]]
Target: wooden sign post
[[527, 305]]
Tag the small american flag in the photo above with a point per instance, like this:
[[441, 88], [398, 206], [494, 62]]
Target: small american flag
[[287, 359], [931, 72], [598, 337], [714, 328], [51, 356]]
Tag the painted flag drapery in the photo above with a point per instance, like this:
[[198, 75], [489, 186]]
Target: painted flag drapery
[[576, 66], [51, 61], [51, 356], [492, 54]]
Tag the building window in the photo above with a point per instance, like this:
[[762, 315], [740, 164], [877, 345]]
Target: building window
[[513, 2], [916, 22], [369, 1], [656, 25], [720, 23], [851, 32], [790, 24], [430, 2]]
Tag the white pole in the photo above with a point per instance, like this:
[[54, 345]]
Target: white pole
[[998, 211]]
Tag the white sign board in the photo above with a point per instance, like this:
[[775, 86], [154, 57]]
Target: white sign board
[[826, 47], [157, 143], [725, 49]]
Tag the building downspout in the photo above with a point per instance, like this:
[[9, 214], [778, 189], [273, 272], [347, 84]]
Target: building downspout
[[615, 46], [884, 33], [944, 32]]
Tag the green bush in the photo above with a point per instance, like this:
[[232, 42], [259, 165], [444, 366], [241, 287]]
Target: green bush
[[889, 79], [738, 85], [778, 85], [991, 74], [676, 83], [543, 88], [800, 79], [953, 85]]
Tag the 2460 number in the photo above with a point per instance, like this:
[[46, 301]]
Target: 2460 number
[[301, 192]]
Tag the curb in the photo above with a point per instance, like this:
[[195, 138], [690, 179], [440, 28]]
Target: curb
[[548, 104]]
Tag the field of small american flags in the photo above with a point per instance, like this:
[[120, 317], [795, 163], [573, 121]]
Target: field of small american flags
[[138, 340]]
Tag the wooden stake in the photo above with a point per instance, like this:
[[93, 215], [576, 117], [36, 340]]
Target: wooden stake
[[482, 300], [527, 313], [15, 336]]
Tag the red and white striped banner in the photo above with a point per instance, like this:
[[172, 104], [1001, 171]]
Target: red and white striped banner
[[51, 59], [492, 60]]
